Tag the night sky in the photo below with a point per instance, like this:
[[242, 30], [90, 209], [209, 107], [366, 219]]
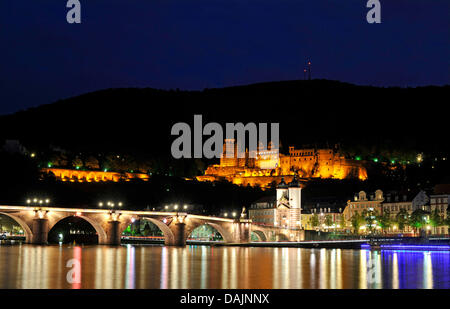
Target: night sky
[[195, 44]]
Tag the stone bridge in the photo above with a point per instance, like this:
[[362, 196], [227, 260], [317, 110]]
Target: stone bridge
[[36, 223]]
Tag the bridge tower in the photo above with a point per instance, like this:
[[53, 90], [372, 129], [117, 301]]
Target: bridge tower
[[295, 201], [295, 193], [282, 190]]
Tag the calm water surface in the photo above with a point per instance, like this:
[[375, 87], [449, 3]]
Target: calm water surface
[[130, 267]]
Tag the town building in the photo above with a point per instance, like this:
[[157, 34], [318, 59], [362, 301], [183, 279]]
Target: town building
[[324, 214], [398, 201], [440, 202], [363, 202], [392, 203], [409, 201], [263, 211]]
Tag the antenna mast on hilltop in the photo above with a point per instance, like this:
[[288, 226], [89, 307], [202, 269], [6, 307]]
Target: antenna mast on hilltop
[[309, 70]]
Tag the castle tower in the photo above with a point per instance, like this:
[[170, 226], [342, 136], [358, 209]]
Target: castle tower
[[229, 161]]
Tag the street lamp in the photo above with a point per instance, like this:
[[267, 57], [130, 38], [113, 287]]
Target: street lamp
[[36, 201], [110, 204]]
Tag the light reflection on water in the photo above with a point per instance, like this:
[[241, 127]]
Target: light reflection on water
[[131, 267]]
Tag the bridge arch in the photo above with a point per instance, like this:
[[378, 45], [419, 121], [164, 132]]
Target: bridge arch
[[102, 237], [226, 235], [169, 237], [281, 237], [23, 225], [260, 234]]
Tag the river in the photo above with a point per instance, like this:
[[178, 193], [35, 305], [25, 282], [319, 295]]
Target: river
[[155, 267]]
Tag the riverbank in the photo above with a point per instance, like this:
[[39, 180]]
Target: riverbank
[[387, 243], [383, 243], [344, 244]]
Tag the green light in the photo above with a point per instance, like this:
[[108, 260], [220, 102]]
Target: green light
[[77, 167], [393, 161], [358, 158], [49, 164], [375, 160], [105, 170]]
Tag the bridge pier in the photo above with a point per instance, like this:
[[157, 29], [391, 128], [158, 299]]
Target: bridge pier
[[241, 232], [112, 234], [40, 231], [178, 230]]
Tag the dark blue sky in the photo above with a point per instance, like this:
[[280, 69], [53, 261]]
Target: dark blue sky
[[193, 44]]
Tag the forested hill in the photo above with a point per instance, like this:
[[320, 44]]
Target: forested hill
[[318, 112]]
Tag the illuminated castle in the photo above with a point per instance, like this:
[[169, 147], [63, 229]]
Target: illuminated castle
[[260, 159], [268, 165]]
